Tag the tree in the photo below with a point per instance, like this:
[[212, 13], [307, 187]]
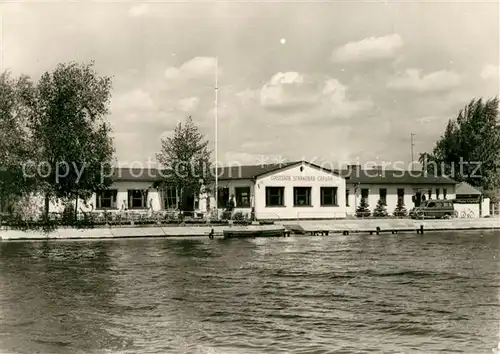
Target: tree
[[380, 209], [469, 149], [186, 159], [70, 133], [363, 209], [400, 210], [14, 137]]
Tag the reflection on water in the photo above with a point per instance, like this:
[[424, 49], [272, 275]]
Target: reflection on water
[[337, 294]]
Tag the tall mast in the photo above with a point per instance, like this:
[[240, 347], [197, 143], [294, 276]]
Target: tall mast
[[216, 138]]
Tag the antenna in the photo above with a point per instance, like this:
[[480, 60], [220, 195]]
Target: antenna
[[412, 145], [216, 156]]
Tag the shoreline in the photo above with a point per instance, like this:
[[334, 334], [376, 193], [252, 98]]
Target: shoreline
[[298, 228]]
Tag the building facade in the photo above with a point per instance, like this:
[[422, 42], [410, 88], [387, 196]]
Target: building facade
[[412, 187], [293, 190]]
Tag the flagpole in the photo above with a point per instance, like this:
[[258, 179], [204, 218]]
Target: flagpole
[[216, 138]]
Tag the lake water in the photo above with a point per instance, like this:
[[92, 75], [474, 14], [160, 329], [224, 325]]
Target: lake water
[[407, 293]]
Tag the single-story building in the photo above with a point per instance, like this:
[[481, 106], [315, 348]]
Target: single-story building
[[470, 202], [292, 190], [412, 187]]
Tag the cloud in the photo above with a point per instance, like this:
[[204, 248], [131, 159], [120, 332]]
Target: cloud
[[198, 67], [490, 72], [308, 97], [188, 104], [368, 49], [137, 99], [138, 10], [413, 80]]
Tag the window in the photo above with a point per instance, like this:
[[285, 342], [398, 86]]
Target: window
[[137, 199], [106, 199], [445, 192], [328, 196], [242, 197], [437, 193], [301, 196], [383, 195], [364, 193], [431, 205], [275, 196], [170, 200], [223, 197], [401, 193], [347, 197]]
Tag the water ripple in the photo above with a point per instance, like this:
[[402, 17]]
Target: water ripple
[[356, 294]]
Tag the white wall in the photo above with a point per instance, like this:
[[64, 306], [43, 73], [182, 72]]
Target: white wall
[[474, 208], [289, 211], [486, 207], [392, 196]]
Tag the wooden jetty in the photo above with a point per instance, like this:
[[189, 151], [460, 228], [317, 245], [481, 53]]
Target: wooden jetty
[[256, 231]]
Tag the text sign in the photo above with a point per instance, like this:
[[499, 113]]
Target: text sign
[[303, 178]]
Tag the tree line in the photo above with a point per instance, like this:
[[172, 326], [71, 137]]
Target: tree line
[[469, 148], [55, 139]]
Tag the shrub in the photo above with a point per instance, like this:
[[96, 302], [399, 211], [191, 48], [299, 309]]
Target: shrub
[[363, 209], [380, 210], [400, 210]]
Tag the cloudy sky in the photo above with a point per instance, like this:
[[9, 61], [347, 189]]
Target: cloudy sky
[[337, 81]]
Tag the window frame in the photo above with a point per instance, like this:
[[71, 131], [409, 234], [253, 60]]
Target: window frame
[[169, 196], [383, 198], [334, 195], [280, 194], [307, 195], [131, 198], [112, 198], [238, 196]]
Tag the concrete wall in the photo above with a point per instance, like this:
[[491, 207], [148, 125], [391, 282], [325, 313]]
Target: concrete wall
[[392, 197], [472, 209], [294, 177]]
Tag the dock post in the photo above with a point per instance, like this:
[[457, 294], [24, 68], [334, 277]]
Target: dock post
[[211, 234], [378, 230]]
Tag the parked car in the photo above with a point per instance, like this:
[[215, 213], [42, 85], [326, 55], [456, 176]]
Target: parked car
[[435, 209]]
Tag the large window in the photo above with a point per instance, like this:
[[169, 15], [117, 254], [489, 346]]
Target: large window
[[107, 199], [364, 193], [328, 196], [223, 197], [137, 199], [170, 200], [301, 196], [383, 195], [275, 196], [242, 197], [347, 197]]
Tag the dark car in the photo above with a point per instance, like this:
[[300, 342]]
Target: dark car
[[435, 209]]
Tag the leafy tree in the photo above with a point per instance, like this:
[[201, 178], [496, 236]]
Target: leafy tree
[[67, 119], [400, 210], [15, 143], [469, 149], [363, 210], [185, 158], [380, 209]]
